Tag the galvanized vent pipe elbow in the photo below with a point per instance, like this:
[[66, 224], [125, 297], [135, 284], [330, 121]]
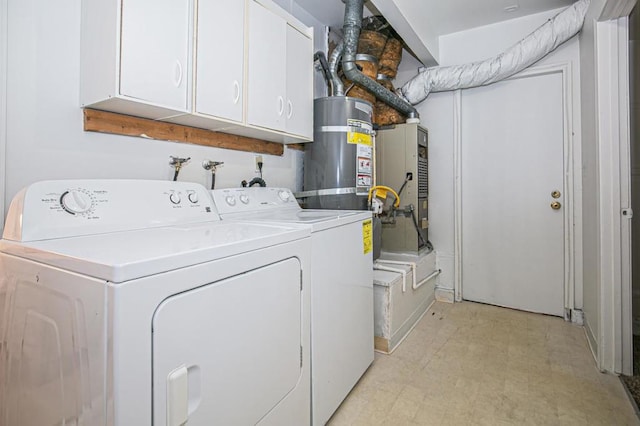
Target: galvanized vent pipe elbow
[[352, 24], [338, 87]]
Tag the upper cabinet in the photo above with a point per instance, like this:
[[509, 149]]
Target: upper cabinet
[[219, 79], [243, 67], [154, 51], [267, 68], [136, 56], [299, 83], [280, 82]]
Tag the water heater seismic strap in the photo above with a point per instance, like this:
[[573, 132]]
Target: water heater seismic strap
[[330, 191], [341, 129]]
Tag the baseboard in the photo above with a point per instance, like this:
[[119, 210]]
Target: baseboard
[[444, 294], [593, 343], [577, 316], [381, 344]]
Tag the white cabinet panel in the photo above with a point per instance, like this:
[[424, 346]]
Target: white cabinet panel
[[220, 59], [154, 55], [243, 67], [299, 83], [267, 68]]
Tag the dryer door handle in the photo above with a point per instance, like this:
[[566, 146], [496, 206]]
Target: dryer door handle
[[178, 397]]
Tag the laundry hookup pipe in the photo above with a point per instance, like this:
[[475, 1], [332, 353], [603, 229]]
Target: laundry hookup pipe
[[377, 267], [414, 284]]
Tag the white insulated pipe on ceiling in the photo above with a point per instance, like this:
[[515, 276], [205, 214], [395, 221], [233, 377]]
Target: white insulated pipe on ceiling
[[523, 54]]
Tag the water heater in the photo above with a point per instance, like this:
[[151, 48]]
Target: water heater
[[402, 164], [338, 166]]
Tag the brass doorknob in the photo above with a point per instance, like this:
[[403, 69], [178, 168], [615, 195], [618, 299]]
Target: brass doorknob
[[556, 194], [556, 205]]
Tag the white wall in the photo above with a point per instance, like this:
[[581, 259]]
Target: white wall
[[436, 113], [44, 136]]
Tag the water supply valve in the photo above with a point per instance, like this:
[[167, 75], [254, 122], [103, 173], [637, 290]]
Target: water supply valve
[[177, 163], [212, 166]]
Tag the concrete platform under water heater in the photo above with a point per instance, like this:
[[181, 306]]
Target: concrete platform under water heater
[[403, 290]]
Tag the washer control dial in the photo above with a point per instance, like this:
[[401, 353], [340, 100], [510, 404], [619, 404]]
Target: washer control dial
[[231, 200], [284, 195], [244, 198], [76, 201], [174, 198], [193, 197]]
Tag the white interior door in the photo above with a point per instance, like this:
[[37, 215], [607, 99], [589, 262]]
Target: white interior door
[[512, 161]]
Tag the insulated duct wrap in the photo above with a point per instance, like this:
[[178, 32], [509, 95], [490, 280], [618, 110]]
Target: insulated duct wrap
[[353, 10], [528, 51]]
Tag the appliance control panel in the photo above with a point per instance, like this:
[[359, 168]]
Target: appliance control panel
[[256, 199], [66, 208]]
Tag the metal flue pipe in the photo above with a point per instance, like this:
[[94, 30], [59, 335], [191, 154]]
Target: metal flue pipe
[[324, 68], [352, 24], [338, 87]]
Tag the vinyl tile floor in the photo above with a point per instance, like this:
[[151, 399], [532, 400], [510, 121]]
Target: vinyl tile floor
[[474, 364]]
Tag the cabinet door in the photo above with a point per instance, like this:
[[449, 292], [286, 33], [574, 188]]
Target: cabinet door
[[299, 108], [267, 67], [155, 51], [220, 58]]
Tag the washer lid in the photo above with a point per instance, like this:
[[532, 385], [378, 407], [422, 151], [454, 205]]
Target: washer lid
[[123, 256], [318, 219]]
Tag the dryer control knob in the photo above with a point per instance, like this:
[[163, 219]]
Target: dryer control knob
[[231, 200], [174, 198], [76, 201], [284, 195], [193, 197], [244, 198]]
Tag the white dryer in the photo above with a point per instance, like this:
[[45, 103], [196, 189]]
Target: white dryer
[[342, 340], [130, 303]]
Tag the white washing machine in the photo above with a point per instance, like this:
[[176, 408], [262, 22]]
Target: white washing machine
[[130, 303], [342, 345]]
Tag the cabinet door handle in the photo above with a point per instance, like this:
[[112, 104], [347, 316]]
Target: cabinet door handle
[[290, 107], [236, 88], [178, 73], [280, 105]]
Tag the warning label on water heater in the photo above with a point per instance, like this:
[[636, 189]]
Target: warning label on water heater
[[360, 133]]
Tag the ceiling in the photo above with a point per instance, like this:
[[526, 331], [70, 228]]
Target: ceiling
[[451, 16], [422, 22]]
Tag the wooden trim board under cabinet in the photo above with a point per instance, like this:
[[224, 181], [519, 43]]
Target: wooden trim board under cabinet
[[126, 125]]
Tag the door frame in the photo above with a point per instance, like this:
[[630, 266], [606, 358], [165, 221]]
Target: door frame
[[615, 339], [4, 36], [572, 186]]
